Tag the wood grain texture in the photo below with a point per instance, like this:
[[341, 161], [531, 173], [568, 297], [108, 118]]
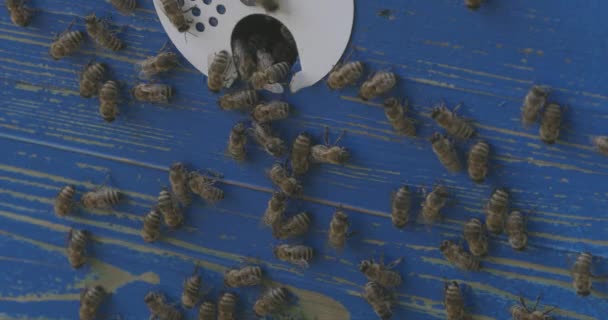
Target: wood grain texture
[[440, 50]]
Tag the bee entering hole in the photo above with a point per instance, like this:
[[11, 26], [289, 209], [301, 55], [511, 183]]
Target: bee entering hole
[[259, 42]]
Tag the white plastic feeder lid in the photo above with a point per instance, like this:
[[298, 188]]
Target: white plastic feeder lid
[[322, 29]]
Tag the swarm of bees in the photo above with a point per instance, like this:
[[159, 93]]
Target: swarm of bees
[[264, 62]]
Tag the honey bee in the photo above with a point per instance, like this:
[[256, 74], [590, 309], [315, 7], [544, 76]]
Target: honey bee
[[237, 142], [205, 188], [272, 300], [77, 245], [160, 63], [91, 79], [178, 178], [173, 11], [268, 5], [221, 71], [332, 154], [295, 254], [272, 111], [433, 203], [243, 277], [446, 152], [477, 163], [378, 84], [150, 232], [400, 207], [64, 202], [379, 298], [66, 44], [269, 78], [601, 143], [456, 255], [275, 209], [99, 31], [125, 7], [159, 308], [243, 59], [453, 124], [300, 152], [380, 273], [207, 311], [338, 229], [102, 198], [265, 59], [294, 227], [20, 14], [550, 123], [281, 178], [395, 113], [581, 274], [191, 292], [171, 212], [108, 101], [473, 5], [475, 235], [496, 210], [263, 135], [227, 306], [454, 302], [152, 92], [516, 229], [90, 300], [522, 312], [345, 75], [535, 100], [239, 100]]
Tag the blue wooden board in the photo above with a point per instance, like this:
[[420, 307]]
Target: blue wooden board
[[488, 59]]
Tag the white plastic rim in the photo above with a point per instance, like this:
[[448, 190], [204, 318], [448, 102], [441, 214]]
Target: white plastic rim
[[322, 30]]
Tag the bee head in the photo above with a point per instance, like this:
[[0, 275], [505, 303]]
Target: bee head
[[364, 265], [436, 137]]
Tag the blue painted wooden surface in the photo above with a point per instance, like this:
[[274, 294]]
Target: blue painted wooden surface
[[487, 59]]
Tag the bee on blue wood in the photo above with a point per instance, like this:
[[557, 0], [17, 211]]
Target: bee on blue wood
[[159, 308], [178, 179], [99, 31], [496, 210], [378, 84], [473, 4], [338, 230], [204, 187], [401, 201], [64, 202], [91, 79], [581, 274], [293, 227], [475, 235], [379, 298], [601, 144], [454, 302], [273, 214], [299, 255], [125, 7], [269, 141], [237, 142], [239, 100], [516, 229], [550, 123], [152, 92], [173, 11], [271, 301], [150, 231], [452, 123], [108, 101], [90, 300], [226, 306], [160, 63], [66, 44], [77, 247], [170, 210], [288, 184], [271, 111], [207, 311], [395, 113], [522, 312], [456, 255], [433, 203], [477, 162], [332, 154], [345, 75], [534, 101], [380, 273], [102, 198], [446, 152], [20, 14], [191, 292], [243, 277]]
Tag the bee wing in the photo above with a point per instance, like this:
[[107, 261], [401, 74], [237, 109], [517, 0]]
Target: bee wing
[[274, 88], [231, 73]]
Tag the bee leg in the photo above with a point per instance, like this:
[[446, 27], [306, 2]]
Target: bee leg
[[340, 137], [546, 312], [457, 107], [523, 303], [394, 263], [536, 304], [326, 136]]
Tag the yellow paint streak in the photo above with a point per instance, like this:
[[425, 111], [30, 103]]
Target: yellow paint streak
[[112, 278], [527, 265], [90, 166], [374, 242], [80, 140], [569, 239]]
